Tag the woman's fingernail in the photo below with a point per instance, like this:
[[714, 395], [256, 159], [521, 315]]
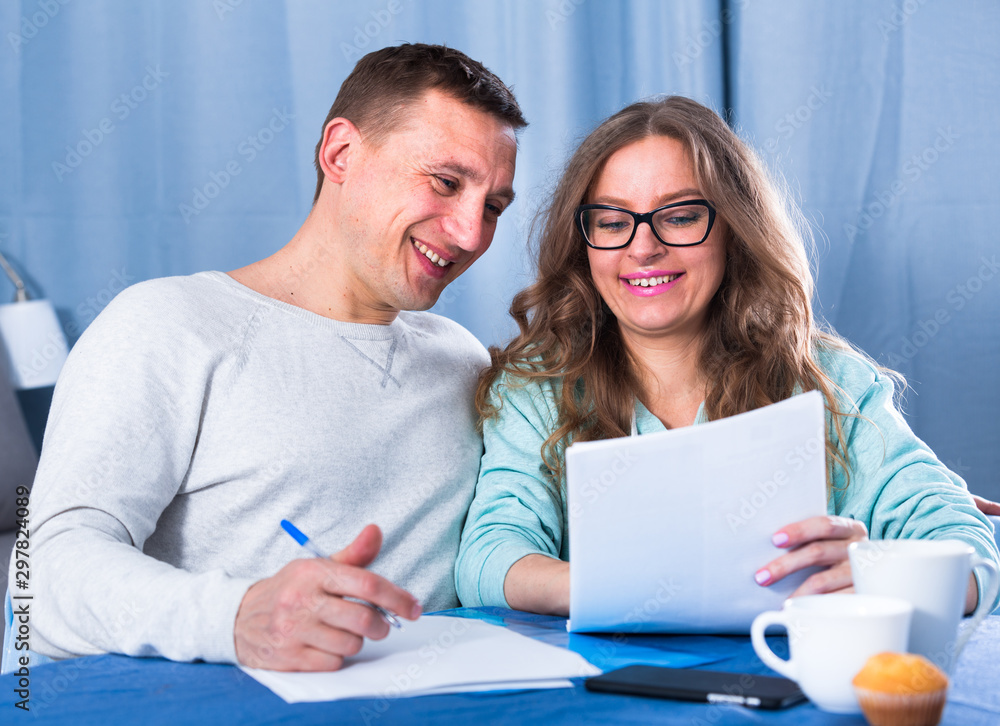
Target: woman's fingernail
[[779, 539], [762, 576], [415, 611]]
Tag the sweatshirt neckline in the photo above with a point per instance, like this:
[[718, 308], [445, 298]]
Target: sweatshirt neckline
[[363, 331], [647, 423]]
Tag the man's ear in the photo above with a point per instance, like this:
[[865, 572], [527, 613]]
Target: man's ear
[[340, 141]]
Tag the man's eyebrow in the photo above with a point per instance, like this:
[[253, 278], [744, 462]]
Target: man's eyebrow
[[507, 193], [462, 170]]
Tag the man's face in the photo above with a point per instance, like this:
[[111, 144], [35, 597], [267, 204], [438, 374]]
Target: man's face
[[417, 210]]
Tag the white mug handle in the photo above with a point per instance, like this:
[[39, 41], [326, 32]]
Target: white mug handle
[[985, 602], [760, 623]]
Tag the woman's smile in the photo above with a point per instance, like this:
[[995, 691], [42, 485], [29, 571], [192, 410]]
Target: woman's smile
[[652, 283]]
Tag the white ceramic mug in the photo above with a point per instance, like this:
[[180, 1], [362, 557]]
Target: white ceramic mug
[[830, 637], [933, 576]]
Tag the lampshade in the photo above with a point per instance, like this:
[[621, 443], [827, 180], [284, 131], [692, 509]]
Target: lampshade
[[34, 342]]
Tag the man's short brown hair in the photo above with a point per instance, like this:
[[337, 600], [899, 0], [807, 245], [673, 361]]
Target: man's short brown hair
[[383, 82]]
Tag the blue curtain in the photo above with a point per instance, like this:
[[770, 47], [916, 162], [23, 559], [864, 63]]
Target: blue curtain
[[883, 116], [143, 139]]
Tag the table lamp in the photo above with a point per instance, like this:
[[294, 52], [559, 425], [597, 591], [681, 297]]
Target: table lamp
[[32, 337]]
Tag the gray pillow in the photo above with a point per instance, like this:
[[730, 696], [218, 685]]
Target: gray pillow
[[18, 459]]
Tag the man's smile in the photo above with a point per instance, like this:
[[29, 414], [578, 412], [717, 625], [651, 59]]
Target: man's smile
[[430, 254]]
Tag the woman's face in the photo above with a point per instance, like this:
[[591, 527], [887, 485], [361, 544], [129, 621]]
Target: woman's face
[[643, 176]]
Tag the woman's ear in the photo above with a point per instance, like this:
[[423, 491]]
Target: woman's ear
[[340, 139]]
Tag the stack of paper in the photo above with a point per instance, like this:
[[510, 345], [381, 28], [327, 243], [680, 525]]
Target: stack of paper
[[436, 654]]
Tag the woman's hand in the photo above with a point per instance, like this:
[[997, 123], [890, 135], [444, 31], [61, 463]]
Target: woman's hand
[[815, 541]]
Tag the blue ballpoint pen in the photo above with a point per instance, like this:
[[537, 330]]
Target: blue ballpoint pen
[[307, 544]]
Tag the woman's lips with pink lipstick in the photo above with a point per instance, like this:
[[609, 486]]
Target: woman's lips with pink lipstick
[[645, 284]]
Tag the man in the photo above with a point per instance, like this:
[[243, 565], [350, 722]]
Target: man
[[196, 413]]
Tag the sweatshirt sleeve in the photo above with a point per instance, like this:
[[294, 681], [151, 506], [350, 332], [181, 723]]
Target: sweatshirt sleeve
[[517, 510], [122, 428], [898, 487]]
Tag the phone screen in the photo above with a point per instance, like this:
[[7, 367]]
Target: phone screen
[[687, 684]]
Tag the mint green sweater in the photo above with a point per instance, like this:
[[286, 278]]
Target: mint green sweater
[[898, 487]]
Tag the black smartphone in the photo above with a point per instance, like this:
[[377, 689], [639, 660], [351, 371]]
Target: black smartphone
[[686, 684]]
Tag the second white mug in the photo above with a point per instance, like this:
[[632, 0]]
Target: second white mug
[[932, 575]]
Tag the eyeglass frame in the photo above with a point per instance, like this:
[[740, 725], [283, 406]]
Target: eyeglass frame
[[647, 217]]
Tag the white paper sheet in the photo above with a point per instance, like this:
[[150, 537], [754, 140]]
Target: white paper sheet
[[667, 530], [436, 654]]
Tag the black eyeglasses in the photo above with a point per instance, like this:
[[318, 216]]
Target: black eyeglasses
[[681, 224]]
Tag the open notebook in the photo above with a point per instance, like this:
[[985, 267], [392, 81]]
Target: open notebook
[[667, 530]]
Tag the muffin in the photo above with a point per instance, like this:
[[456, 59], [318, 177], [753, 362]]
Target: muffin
[[900, 689]]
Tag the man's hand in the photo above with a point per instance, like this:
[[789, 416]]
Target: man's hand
[[298, 620], [986, 506], [815, 541]]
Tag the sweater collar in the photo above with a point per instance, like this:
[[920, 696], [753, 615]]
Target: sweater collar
[[644, 422]]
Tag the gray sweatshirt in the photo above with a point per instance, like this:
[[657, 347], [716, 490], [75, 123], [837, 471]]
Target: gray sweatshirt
[[193, 416]]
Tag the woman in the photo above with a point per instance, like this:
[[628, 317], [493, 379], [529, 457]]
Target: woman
[[692, 311]]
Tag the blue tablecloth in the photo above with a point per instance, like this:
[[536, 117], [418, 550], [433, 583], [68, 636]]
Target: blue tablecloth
[[113, 689]]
